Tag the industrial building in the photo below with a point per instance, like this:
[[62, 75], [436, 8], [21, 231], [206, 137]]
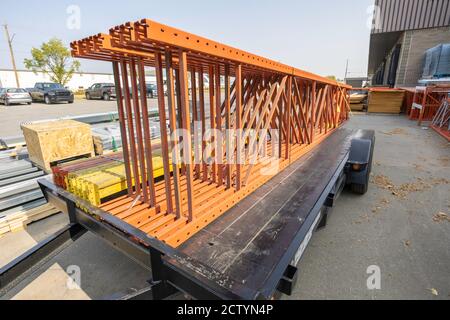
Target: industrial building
[[402, 32]]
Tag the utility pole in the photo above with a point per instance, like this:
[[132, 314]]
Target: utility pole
[[12, 54], [346, 72]]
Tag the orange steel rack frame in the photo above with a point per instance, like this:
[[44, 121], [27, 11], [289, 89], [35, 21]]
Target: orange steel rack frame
[[244, 91], [427, 101], [441, 121]]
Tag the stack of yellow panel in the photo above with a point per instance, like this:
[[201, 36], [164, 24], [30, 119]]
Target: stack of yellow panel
[[97, 183]]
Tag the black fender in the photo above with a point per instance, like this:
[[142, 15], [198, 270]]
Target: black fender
[[359, 164]]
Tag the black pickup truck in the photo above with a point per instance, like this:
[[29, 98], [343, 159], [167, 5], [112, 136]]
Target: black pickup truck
[[50, 92]]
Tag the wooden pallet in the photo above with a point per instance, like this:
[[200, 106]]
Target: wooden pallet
[[18, 221], [357, 106], [385, 101]]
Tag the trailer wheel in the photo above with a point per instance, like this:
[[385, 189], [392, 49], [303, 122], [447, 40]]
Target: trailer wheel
[[361, 152], [359, 188]]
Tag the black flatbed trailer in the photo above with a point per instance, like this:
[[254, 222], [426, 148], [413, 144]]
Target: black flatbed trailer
[[250, 252]]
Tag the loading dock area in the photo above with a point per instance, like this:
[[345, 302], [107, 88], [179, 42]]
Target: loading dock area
[[227, 259], [222, 192], [334, 264]]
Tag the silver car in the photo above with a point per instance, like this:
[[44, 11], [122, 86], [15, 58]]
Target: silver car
[[10, 96]]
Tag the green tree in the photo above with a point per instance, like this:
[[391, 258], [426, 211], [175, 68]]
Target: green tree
[[53, 59], [331, 77]]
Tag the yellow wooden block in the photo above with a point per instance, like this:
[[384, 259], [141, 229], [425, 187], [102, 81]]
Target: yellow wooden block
[[97, 183]]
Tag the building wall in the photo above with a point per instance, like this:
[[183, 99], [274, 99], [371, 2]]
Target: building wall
[[415, 43], [401, 15], [387, 63], [389, 58], [356, 82], [27, 79]]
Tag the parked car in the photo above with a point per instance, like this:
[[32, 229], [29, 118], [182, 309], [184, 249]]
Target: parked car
[[50, 92], [10, 96], [151, 90], [104, 91]]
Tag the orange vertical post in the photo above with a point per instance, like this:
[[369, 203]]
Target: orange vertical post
[[238, 127], [187, 143], [173, 128]]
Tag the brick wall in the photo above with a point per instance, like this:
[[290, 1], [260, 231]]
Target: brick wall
[[414, 45]]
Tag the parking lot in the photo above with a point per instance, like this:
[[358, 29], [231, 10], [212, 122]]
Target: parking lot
[[394, 227], [13, 116]]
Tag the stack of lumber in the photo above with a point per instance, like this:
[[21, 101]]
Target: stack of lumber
[[21, 199], [11, 142], [54, 141], [97, 178], [385, 101], [19, 220], [18, 185], [358, 98], [61, 171], [107, 137], [357, 106]]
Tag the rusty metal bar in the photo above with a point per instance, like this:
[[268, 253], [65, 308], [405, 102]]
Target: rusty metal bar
[[147, 136], [238, 126], [195, 119], [219, 140], [129, 118], [228, 141], [123, 132], [212, 116], [313, 109], [201, 86], [138, 127], [288, 117], [163, 129], [187, 143], [174, 135]]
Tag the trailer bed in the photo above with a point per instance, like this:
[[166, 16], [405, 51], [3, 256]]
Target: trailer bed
[[254, 242], [244, 254]]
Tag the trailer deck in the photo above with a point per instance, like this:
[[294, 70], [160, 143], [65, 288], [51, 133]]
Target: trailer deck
[[198, 230], [256, 240], [247, 253]]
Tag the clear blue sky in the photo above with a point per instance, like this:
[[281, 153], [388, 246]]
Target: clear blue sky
[[317, 35]]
